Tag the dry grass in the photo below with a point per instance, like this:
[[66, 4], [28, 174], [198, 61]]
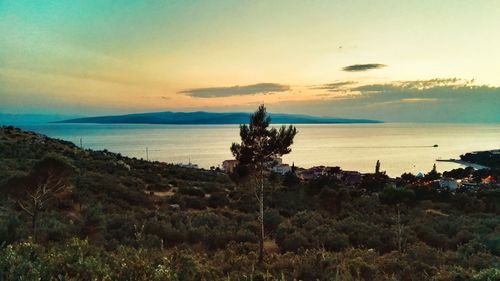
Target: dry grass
[[270, 246], [435, 212]]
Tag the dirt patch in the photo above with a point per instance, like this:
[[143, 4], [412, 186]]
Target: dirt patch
[[160, 193], [435, 212]]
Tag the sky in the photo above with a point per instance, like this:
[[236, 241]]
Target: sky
[[410, 61]]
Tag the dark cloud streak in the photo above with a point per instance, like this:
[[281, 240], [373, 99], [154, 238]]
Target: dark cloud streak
[[216, 92], [331, 87], [363, 67]]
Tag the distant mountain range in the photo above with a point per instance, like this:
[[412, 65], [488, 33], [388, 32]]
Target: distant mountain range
[[209, 118], [17, 119]]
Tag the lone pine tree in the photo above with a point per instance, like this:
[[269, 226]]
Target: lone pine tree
[[259, 146]]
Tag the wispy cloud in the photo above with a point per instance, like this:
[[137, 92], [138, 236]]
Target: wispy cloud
[[415, 100], [215, 92], [363, 67], [402, 101], [418, 85], [331, 87], [437, 82]]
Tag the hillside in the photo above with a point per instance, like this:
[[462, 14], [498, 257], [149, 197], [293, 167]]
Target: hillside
[[121, 218], [206, 118]]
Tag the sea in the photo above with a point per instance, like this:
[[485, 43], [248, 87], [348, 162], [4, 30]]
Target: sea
[[400, 147]]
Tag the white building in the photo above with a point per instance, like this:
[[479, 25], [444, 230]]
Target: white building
[[448, 183], [229, 165], [282, 169]]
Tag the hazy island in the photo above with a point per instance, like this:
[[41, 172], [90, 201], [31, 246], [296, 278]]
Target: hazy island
[[209, 118]]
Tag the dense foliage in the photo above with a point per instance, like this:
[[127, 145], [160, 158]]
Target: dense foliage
[[128, 219], [487, 158]]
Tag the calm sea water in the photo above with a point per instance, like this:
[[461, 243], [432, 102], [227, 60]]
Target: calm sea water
[[399, 147]]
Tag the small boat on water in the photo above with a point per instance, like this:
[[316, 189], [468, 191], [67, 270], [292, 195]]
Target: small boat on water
[[435, 145]]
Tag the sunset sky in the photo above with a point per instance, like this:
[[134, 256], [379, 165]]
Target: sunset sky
[[388, 60]]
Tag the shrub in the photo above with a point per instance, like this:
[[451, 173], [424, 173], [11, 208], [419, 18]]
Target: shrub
[[293, 242], [218, 200], [272, 220], [489, 274], [194, 202], [192, 191]]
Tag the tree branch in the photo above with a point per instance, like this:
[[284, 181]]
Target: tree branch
[[25, 208]]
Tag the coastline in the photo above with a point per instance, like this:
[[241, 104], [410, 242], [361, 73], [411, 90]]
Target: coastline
[[463, 163], [178, 143]]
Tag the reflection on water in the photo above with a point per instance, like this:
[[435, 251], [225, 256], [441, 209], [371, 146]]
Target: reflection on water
[[399, 147]]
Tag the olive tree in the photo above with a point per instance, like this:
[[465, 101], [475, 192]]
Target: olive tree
[[33, 192]]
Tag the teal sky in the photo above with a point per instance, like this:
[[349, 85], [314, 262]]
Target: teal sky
[[98, 57]]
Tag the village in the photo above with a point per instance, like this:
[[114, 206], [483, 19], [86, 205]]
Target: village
[[452, 180]]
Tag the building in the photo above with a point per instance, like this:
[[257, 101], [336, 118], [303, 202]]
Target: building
[[282, 169], [352, 178], [305, 174], [471, 185], [188, 165], [487, 180], [318, 171], [335, 172], [448, 183], [229, 165], [277, 160]]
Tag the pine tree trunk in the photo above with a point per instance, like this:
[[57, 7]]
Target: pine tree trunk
[[400, 230], [261, 216], [34, 219]]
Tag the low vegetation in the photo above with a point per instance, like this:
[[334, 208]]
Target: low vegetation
[[120, 218]]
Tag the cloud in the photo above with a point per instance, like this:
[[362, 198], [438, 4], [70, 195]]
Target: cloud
[[435, 100], [415, 100], [402, 101], [418, 85], [331, 87], [431, 83], [363, 67], [215, 92]]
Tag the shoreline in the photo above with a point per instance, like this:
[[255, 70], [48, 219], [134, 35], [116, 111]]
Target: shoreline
[[464, 163]]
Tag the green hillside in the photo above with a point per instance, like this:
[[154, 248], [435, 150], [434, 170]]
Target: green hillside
[[119, 218]]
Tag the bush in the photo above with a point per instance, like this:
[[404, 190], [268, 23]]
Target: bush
[[54, 229], [218, 200], [192, 191], [331, 240], [9, 229], [293, 242], [490, 274], [272, 219], [194, 203]]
